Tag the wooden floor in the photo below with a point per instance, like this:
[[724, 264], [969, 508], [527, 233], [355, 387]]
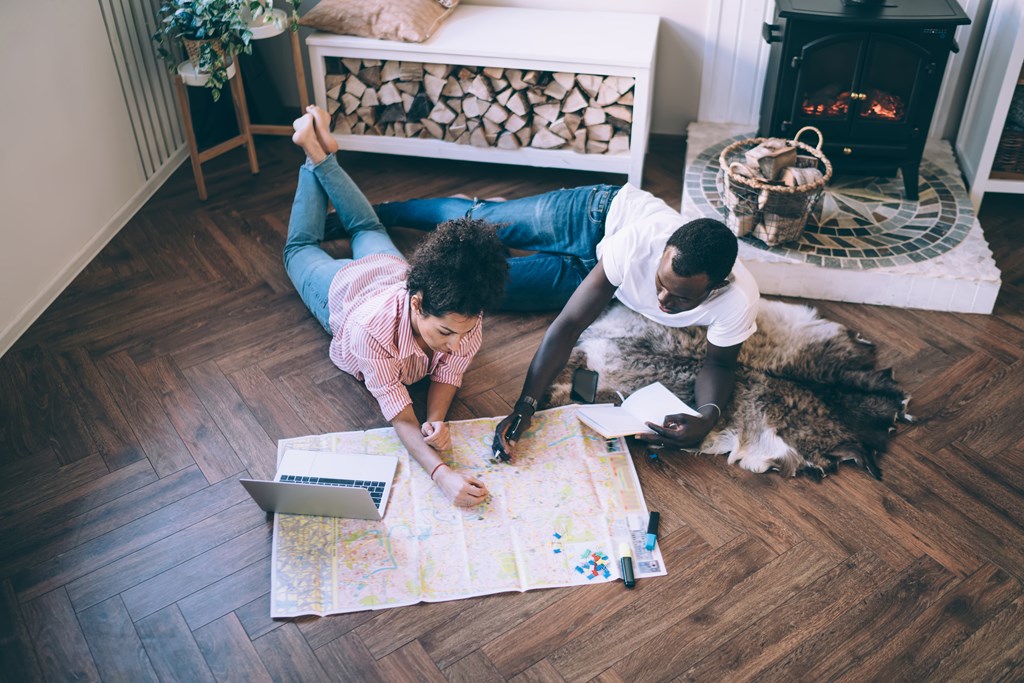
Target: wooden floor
[[174, 362]]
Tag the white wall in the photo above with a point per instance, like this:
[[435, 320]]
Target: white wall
[[735, 59], [69, 165], [960, 71]]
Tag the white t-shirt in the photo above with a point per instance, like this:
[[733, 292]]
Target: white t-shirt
[[637, 228]]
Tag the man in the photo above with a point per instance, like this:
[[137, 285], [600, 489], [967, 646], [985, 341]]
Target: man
[[635, 250]]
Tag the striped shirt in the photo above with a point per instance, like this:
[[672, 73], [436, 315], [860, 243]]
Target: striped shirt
[[371, 320]]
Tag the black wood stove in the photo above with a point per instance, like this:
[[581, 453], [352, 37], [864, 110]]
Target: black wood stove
[[865, 72]]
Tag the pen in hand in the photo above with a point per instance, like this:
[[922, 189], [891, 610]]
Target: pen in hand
[[499, 451]]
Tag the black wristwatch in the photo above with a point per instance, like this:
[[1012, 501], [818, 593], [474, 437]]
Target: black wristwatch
[[528, 401]]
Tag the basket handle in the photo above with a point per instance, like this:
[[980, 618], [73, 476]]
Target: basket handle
[[821, 138]]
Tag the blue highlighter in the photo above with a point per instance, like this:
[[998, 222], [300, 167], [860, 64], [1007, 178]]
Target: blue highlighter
[[652, 531]]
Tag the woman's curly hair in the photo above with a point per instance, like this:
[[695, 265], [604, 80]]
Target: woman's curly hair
[[459, 268]]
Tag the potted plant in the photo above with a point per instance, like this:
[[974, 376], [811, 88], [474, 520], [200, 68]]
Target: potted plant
[[212, 33]]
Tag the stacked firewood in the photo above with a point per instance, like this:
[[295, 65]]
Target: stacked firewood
[[480, 106]]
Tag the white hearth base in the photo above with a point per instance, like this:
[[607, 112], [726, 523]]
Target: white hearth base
[[963, 280]]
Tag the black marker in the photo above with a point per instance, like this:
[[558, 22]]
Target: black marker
[[652, 531], [626, 565]]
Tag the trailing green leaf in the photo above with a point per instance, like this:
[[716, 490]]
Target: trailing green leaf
[[224, 22]]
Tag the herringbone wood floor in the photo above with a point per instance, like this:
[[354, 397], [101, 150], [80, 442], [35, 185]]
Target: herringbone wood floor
[[174, 362]]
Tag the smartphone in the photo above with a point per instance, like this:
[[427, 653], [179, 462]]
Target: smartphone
[[584, 385]]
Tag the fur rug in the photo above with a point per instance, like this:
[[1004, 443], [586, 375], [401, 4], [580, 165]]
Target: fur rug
[[808, 392]]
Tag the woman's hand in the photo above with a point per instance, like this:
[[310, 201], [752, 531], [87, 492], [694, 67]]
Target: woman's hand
[[436, 435], [464, 490], [679, 431]]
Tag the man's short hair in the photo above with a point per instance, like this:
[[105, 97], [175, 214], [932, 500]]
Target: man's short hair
[[705, 246]]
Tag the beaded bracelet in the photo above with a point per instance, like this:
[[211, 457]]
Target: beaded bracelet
[[434, 471], [713, 405]]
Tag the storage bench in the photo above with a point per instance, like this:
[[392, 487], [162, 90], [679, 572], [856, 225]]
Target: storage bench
[[498, 84]]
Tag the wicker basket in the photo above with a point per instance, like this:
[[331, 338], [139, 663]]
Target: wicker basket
[[1010, 152], [770, 211], [195, 50]]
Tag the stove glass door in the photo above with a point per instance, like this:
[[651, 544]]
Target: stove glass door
[[896, 73], [827, 69]]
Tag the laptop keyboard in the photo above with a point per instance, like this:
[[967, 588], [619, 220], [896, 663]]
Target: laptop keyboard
[[375, 488]]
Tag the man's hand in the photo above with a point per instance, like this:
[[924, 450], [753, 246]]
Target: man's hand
[[679, 431], [464, 490], [507, 433], [436, 435]]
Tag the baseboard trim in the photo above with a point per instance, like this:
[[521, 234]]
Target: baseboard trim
[[13, 331]]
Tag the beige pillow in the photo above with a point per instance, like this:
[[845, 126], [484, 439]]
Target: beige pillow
[[412, 21]]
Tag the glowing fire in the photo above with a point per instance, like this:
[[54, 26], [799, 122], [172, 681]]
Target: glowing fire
[[878, 104], [827, 102], [883, 105], [837, 107]]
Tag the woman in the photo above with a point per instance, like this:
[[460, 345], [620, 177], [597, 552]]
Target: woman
[[393, 322]]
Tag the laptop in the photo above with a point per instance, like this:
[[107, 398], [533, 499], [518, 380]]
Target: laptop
[[327, 485]]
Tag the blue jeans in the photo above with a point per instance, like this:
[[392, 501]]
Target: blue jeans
[[310, 268], [563, 226]]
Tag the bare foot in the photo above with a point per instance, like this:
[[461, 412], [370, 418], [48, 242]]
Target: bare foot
[[306, 138], [323, 128]]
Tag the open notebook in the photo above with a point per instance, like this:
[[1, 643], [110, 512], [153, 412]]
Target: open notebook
[[649, 404], [327, 485]]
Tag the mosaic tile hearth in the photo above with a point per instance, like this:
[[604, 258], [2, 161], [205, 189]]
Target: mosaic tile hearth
[[861, 222]]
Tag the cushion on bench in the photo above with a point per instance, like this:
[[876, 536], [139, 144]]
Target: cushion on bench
[[411, 21]]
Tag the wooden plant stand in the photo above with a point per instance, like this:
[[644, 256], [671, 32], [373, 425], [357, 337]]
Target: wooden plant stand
[[187, 76]]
